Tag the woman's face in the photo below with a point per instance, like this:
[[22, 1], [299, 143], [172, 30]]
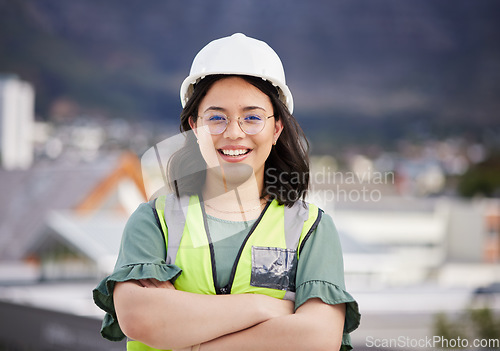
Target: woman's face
[[234, 97]]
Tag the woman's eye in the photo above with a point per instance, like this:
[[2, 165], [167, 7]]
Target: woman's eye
[[252, 118], [217, 118]]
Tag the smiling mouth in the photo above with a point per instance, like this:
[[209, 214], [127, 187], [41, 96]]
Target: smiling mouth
[[234, 153]]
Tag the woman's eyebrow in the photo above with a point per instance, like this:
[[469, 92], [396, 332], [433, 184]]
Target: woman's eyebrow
[[215, 108], [251, 108], [222, 109]]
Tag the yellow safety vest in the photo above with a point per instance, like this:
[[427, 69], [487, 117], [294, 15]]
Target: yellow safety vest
[[266, 262]]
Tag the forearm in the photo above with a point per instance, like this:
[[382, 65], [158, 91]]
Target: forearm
[[300, 331], [168, 318]]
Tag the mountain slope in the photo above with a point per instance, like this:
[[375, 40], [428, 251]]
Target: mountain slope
[[438, 60]]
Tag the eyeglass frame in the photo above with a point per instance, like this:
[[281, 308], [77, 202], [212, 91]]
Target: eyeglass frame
[[239, 124]]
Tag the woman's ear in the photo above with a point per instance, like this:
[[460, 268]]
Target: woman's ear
[[278, 128], [192, 124]]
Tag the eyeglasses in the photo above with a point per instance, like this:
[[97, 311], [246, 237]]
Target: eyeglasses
[[216, 122]]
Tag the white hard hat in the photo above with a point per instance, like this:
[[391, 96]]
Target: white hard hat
[[242, 55]]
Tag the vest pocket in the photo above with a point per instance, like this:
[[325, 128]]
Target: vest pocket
[[274, 268]]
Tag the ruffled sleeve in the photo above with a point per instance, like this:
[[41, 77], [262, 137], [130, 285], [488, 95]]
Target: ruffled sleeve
[[141, 256], [320, 274]]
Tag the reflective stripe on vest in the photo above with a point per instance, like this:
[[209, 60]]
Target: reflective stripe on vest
[[266, 264]]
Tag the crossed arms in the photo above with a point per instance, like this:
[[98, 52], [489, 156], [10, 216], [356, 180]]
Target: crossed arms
[[156, 314]]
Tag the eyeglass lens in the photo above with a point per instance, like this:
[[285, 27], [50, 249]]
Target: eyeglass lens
[[216, 123]]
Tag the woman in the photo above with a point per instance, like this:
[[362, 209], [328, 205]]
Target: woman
[[234, 259]]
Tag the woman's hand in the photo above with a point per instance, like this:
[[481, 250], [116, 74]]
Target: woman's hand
[[154, 283], [276, 307]]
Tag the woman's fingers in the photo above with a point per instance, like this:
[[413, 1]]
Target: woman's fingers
[[164, 285], [155, 283], [274, 307], [146, 283]]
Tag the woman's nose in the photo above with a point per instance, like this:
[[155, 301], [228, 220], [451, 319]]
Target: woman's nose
[[233, 130]]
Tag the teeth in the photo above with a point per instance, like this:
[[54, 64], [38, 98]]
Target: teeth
[[234, 152]]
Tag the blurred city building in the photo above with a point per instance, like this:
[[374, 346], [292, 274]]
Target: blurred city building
[[63, 215], [60, 227], [411, 242], [17, 118], [412, 247], [399, 224]]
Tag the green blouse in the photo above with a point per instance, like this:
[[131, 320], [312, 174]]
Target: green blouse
[[320, 271]]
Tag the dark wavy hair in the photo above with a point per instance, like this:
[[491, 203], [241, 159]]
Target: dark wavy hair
[[286, 176]]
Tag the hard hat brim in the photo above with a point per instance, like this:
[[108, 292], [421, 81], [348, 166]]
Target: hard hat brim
[[187, 87]]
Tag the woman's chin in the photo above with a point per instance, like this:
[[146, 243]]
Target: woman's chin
[[233, 174]]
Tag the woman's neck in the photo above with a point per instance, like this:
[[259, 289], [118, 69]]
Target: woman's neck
[[232, 200]]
